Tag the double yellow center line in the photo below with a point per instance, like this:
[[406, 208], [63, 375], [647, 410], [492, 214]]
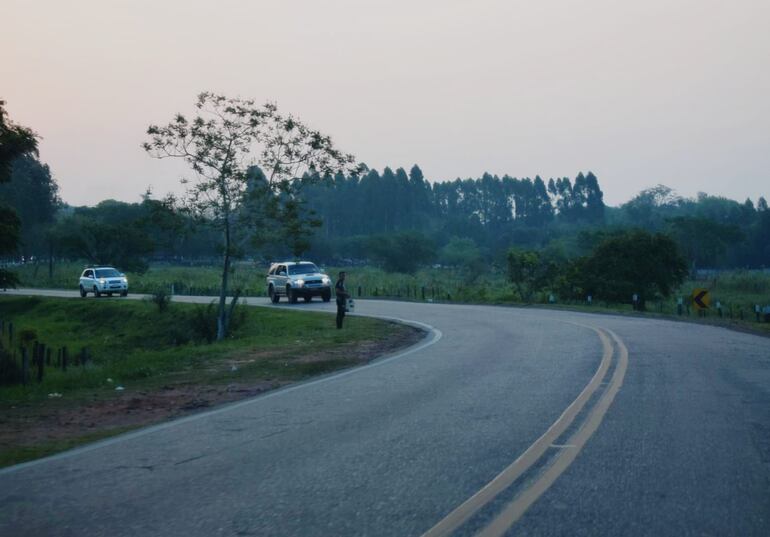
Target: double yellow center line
[[519, 505]]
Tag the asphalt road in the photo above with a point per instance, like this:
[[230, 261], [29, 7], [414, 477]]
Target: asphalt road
[[503, 421]]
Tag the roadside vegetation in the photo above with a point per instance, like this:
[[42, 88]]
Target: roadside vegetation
[[147, 363], [737, 291]]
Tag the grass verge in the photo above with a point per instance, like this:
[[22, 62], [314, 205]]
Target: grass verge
[[147, 366]]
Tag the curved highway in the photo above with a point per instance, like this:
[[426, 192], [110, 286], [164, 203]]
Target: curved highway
[[503, 421]]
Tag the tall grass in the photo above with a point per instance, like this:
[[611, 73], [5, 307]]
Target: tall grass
[[176, 279]]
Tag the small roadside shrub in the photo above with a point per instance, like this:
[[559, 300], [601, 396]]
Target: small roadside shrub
[[27, 336], [203, 323], [161, 299]]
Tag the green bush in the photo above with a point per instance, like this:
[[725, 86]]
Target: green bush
[[161, 299]]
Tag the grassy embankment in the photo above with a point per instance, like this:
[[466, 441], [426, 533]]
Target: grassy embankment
[[149, 353], [737, 291]]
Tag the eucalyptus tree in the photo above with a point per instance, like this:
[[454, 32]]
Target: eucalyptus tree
[[222, 144]]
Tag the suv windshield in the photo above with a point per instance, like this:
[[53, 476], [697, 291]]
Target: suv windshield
[[107, 273], [303, 268]]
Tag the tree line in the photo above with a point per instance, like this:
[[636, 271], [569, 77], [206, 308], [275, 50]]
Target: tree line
[[390, 201], [397, 219]]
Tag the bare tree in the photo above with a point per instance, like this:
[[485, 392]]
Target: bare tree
[[222, 143]]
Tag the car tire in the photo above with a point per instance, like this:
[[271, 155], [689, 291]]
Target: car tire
[[97, 293], [83, 292], [124, 293], [291, 295], [109, 294], [326, 297], [307, 298], [274, 297]]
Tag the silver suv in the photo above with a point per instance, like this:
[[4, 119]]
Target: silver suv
[[103, 280], [297, 279]]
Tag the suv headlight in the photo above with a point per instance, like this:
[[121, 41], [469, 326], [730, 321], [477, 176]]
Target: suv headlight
[[299, 283], [102, 281], [325, 280]]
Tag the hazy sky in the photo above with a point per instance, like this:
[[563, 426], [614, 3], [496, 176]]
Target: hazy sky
[[654, 91]]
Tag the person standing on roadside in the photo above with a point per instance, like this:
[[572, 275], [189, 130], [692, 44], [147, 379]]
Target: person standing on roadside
[[342, 299]]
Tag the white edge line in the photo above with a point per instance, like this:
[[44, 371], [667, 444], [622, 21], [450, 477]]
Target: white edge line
[[434, 332]]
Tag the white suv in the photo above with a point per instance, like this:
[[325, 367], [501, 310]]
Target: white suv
[[103, 280], [297, 279]]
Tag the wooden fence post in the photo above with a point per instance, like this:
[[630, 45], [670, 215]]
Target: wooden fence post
[[40, 362], [24, 366], [64, 358]]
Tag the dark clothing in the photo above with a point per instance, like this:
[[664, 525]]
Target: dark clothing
[[342, 299], [342, 293]]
